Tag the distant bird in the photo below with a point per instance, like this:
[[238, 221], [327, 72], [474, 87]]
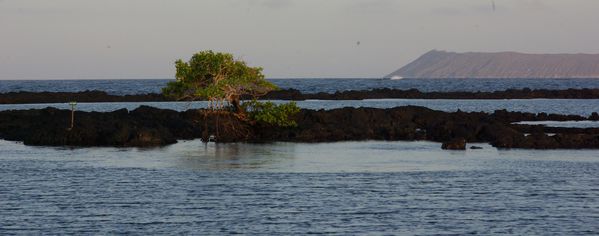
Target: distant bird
[[358, 43], [108, 46]]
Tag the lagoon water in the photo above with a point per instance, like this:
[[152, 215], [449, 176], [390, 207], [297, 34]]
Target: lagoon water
[[582, 107], [566, 124], [559, 106], [295, 188], [342, 188]]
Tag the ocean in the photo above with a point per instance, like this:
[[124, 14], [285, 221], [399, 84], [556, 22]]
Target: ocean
[[121, 87]]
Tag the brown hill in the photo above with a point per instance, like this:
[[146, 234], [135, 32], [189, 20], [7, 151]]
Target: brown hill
[[441, 64]]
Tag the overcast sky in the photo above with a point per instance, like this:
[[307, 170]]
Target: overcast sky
[[112, 39]]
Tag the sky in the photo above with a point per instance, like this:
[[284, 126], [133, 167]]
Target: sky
[[139, 39]]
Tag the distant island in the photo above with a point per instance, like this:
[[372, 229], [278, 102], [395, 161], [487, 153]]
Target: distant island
[[442, 64]]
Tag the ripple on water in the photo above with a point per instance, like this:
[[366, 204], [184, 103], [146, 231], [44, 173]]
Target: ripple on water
[[286, 188]]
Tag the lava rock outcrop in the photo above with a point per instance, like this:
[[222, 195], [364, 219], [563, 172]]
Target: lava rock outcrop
[[148, 126]]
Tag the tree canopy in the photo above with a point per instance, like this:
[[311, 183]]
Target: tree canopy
[[216, 76]]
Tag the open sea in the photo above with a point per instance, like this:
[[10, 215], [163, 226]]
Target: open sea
[[121, 87], [342, 188]]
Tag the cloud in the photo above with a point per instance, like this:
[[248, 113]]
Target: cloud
[[470, 9], [449, 11], [370, 7], [535, 5], [274, 4], [366, 4]]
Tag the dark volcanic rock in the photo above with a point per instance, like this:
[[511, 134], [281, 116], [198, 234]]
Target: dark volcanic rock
[[455, 144], [50, 127], [147, 126], [85, 96], [292, 94], [525, 93]]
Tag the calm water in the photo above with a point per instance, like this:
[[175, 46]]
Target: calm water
[[288, 188], [295, 188], [567, 124], [306, 85], [559, 106]]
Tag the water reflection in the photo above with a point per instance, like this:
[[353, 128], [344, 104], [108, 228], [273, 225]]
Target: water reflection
[[354, 157], [368, 156], [564, 124], [351, 188], [212, 156]]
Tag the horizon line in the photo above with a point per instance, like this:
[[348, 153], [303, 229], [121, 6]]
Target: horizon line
[[174, 78]]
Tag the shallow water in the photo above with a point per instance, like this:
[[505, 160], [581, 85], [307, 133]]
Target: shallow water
[[292, 188], [558, 106], [565, 124], [296, 188]]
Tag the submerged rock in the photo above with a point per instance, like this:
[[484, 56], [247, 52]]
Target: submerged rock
[[455, 144]]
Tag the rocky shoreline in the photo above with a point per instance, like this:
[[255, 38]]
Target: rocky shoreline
[[292, 94], [148, 126]]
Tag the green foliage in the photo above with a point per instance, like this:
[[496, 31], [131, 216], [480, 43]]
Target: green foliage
[[272, 114], [216, 76]]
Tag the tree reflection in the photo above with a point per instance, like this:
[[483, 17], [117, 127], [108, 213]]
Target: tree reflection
[[218, 156]]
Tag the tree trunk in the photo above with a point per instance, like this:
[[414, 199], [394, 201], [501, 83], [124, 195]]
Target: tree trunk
[[236, 105]]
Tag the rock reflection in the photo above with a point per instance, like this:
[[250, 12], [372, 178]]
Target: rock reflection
[[215, 157]]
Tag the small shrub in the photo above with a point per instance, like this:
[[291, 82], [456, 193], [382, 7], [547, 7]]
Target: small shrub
[[272, 114]]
